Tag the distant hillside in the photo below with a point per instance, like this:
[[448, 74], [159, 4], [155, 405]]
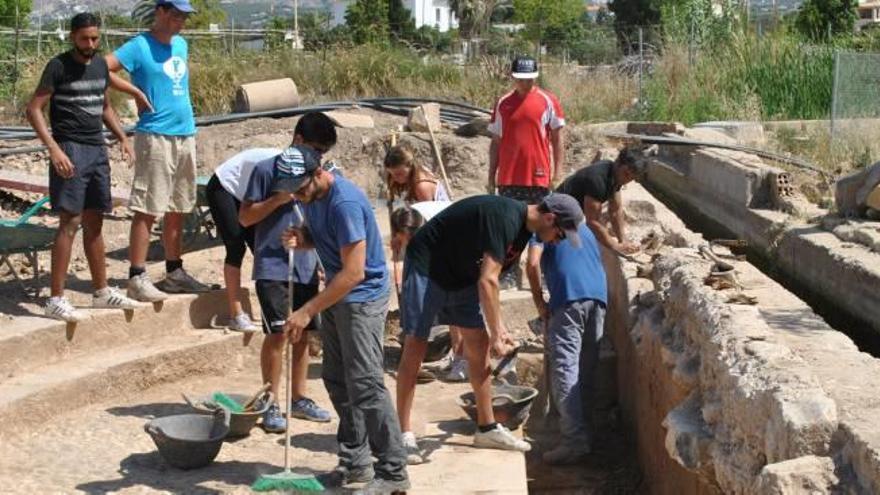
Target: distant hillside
[[245, 12]]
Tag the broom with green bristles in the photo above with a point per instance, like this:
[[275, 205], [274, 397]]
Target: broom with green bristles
[[287, 480]]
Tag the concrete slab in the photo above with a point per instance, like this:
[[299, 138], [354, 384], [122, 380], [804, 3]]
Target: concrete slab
[[351, 120]]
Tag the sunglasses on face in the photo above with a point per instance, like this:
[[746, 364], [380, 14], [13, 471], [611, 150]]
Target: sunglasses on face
[[560, 233]]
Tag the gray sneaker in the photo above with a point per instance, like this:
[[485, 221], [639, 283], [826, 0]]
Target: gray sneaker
[[565, 455], [342, 476], [141, 289], [180, 282], [383, 486]]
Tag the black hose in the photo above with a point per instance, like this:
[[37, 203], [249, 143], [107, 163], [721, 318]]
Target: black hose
[[459, 113], [672, 141]]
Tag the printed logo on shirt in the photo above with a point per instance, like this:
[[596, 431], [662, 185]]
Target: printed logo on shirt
[[175, 69], [511, 256]]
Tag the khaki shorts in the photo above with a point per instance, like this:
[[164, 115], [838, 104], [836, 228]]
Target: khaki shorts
[[164, 174]]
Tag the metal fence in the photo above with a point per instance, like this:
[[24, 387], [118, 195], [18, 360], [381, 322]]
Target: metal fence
[[24, 42], [855, 101], [26, 45]]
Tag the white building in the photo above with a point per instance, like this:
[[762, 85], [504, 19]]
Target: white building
[[433, 13]]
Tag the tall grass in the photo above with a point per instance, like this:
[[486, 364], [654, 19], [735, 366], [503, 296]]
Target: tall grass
[[748, 77], [370, 70]]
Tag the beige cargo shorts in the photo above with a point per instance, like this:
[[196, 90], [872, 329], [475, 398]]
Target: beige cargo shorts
[[164, 174]]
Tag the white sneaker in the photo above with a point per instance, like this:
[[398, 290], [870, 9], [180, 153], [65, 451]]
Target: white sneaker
[[60, 308], [242, 323], [413, 453], [112, 298], [458, 372], [500, 438], [141, 289]]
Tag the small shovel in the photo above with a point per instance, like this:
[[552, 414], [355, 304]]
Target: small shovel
[[498, 377], [249, 405]]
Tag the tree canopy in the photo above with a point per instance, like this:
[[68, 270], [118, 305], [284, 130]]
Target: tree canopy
[[367, 21], [821, 19], [7, 12]]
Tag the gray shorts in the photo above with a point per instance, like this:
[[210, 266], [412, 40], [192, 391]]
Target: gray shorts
[[89, 188], [425, 304]]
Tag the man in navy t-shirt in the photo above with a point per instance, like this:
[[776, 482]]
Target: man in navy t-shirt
[[271, 212], [575, 316], [343, 229]]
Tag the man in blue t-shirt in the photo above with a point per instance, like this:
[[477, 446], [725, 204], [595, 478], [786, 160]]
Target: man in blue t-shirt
[[574, 317], [164, 182], [343, 229], [271, 212]]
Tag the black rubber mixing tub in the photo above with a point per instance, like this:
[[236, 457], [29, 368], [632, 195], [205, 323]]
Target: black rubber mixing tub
[[189, 441], [510, 413]]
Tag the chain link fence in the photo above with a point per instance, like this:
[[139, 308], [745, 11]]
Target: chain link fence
[[855, 102]]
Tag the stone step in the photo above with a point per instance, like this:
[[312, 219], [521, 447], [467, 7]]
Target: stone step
[[29, 399], [29, 343]]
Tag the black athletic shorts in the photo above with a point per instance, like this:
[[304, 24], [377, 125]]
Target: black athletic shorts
[[272, 295], [224, 210], [89, 188]]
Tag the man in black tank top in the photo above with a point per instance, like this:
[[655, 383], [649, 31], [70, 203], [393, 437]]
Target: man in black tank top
[[74, 84], [600, 183]]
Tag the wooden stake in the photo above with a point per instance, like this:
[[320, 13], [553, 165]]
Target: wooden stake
[[436, 149]]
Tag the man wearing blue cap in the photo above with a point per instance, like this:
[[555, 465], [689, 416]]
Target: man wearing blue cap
[[573, 318], [270, 209], [353, 304], [164, 182]]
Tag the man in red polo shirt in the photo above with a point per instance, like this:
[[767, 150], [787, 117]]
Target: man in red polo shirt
[[527, 124]]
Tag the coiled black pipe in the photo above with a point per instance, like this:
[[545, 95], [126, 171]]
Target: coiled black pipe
[[451, 112]]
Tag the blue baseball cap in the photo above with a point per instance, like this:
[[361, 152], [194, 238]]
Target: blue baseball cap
[[181, 5], [293, 167]]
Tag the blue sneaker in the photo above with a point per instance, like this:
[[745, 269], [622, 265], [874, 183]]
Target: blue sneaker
[[306, 408], [273, 420]]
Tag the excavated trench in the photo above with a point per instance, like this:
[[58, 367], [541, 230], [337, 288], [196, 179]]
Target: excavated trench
[[853, 326], [742, 387]]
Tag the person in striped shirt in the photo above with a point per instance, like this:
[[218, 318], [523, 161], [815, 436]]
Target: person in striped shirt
[[75, 86]]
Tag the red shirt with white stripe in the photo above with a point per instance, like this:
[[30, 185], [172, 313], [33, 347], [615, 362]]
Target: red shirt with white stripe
[[524, 123]]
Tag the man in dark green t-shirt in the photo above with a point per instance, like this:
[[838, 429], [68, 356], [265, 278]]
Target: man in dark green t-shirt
[[600, 183], [451, 272]]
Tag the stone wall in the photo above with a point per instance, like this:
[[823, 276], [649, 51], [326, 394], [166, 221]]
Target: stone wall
[[735, 391]]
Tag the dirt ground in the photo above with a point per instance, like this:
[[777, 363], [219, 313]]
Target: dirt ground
[[359, 153], [102, 447]]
